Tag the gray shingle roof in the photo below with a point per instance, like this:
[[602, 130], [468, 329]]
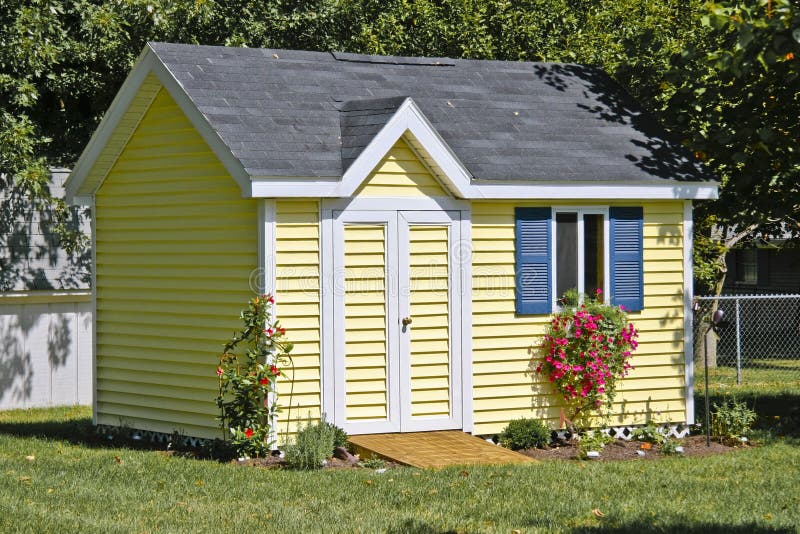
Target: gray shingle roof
[[295, 113]]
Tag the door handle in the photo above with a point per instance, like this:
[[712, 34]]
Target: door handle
[[406, 321]]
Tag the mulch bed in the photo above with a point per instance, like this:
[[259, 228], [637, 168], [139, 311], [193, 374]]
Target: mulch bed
[[627, 450], [617, 450]]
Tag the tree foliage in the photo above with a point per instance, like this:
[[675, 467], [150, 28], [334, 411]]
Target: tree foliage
[[738, 105], [722, 76]]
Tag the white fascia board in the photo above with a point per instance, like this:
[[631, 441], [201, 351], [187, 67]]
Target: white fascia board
[[293, 187], [600, 191], [74, 185], [209, 135]]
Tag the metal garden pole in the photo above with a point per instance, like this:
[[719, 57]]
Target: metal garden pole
[[708, 410], [738, 346]]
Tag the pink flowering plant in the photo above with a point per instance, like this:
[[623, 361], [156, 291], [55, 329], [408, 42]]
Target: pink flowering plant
[[586, 349], [247, 380]]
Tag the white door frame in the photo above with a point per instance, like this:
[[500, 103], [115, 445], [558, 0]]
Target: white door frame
[[430, 218], [331, 252]]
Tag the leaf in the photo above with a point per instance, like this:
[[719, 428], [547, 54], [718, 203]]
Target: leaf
[[30, 457], [117, 459], [597, 512]]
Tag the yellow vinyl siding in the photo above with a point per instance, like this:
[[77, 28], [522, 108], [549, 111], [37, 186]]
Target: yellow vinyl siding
[[504, 344], [298, 307], [401, 174], [428, 297], [175, 247], [365, 322]]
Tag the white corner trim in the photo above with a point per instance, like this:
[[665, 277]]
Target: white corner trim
[[119, 106], [267, 236], [327, 343], [408, 120], [688, 312], [464, 253], [93, 228]]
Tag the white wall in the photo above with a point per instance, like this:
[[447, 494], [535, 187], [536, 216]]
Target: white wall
[[45, 348]]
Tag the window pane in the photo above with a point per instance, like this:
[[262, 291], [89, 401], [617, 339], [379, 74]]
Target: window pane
[[592, 253], [747, 265], [566, 252]]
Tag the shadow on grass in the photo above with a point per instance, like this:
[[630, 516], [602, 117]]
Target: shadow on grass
[[691, 528], [81, 431], [77, 431]]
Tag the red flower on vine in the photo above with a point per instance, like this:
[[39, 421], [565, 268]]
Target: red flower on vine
[[220, 372], [248, 433], [264, 381], [274, 370]]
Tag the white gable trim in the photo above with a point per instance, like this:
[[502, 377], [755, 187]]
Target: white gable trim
[[75, 187], [74, 184], [408, 119]]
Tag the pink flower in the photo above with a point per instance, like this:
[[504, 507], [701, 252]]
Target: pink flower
[[599, 291], [220, 372]]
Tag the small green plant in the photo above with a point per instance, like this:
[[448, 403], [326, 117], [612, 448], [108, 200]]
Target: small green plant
[[669, 446], [525, 434], [649, 433], [247, 381], [340, 437], [592, 440], [731, 420], [373, 463], [312, 446]]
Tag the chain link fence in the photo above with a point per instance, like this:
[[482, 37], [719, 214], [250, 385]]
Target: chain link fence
[[758, 341]]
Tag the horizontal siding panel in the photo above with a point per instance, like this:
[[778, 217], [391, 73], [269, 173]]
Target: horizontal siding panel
[[172, 274], [159, 420]]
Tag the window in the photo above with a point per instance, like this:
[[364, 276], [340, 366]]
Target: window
[[583, 248], [747, 266], [580, 251]]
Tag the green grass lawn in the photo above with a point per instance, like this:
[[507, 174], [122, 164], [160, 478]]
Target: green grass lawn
[[73, 487], [764, 376]]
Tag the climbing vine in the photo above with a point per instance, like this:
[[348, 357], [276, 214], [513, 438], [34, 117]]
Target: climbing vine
[[247, 381]]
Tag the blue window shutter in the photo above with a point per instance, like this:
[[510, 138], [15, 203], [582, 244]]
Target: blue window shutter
[[533, 261], [627, 264]]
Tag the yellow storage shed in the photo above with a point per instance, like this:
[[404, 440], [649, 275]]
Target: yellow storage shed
[[415, 218]]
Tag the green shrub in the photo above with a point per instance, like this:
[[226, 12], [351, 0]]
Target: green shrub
[[312, 446], [340, 437], [525, 434], [731, 420]]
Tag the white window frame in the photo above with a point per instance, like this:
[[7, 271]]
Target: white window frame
[[581, 211], [739, 258]]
